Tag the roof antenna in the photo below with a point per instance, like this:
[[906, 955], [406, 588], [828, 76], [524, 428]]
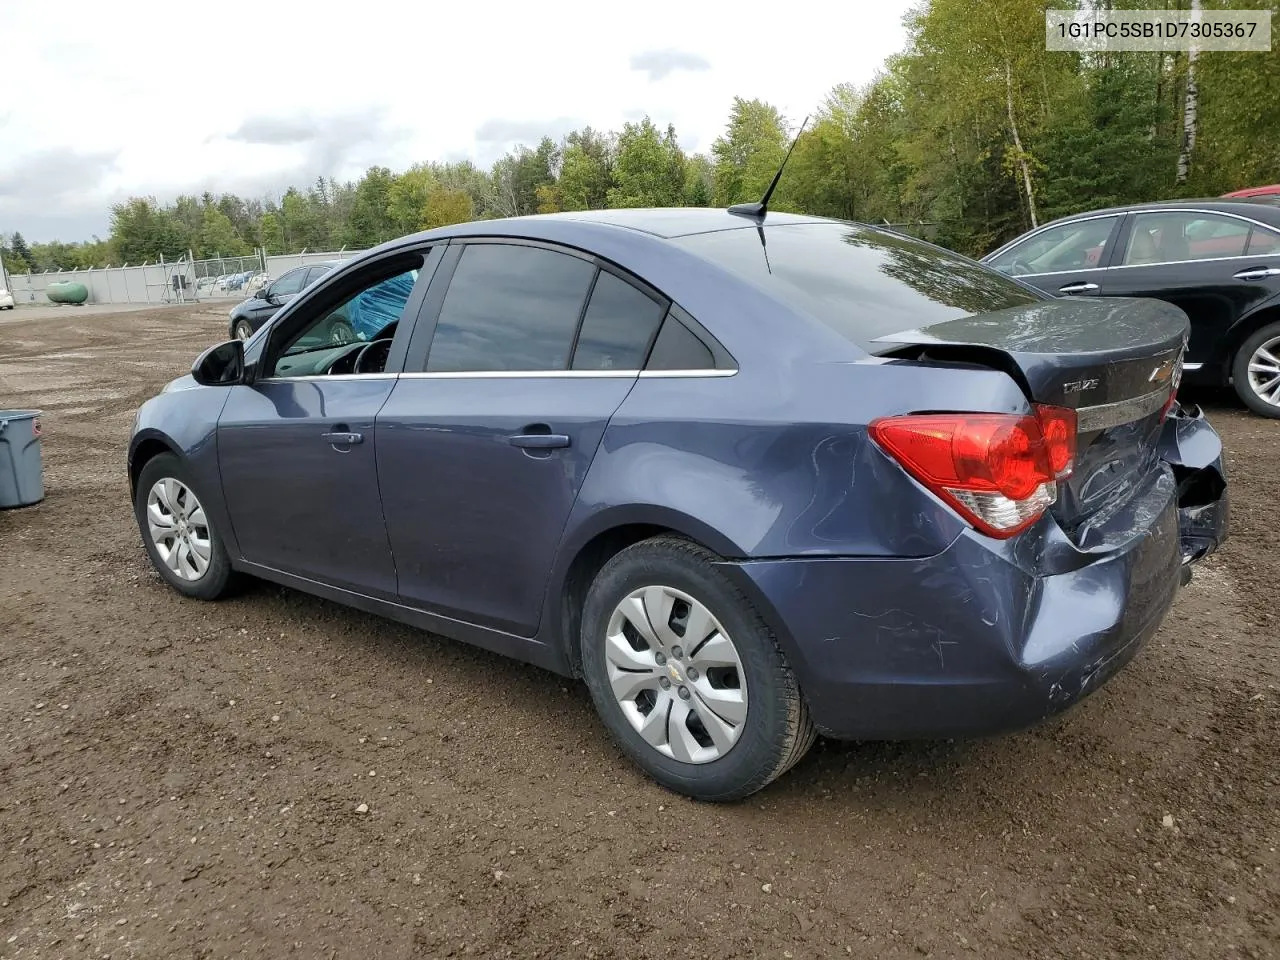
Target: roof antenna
[[762, 208]]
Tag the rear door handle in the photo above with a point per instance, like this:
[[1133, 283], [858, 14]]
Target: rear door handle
[[538, 441], [340, 438], [1258, 273], [1078, 288]]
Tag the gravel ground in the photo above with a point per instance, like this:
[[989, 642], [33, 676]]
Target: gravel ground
[[277, 775]]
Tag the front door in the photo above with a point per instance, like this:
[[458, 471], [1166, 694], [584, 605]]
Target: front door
[[486, 439], [298, 448]]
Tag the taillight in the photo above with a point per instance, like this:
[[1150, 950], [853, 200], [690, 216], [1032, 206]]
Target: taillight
[[1000, 472]]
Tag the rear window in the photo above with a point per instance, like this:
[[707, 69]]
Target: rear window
[[861, 282]]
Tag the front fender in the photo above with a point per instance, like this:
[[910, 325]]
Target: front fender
[[183, 420]]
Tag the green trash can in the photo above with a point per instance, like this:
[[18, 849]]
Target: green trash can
[[21, 471]]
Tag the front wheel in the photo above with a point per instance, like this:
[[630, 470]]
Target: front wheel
[[687, 676], [1255, 371], [177, 532], [243, 330]]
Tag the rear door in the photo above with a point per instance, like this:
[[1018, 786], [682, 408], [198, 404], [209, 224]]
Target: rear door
[[1065, 259], [487, 436], [1214, 266]]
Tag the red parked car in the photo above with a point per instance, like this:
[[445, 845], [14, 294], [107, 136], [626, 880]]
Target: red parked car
[[1255, 193]]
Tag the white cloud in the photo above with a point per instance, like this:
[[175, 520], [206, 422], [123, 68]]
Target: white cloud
[[161, 98]]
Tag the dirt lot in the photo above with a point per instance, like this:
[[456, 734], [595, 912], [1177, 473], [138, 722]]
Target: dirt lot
[[181, 779]]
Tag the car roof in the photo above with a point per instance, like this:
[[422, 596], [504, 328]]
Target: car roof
[[665, 223], [671, 222], [1270, 190]]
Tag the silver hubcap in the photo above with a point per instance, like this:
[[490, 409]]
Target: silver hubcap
[[1264, 371], [179, 529], [243, 331], [676, 674]]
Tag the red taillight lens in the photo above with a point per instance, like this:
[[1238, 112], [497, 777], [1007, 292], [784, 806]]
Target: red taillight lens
[[999, 471], [1058, 427]]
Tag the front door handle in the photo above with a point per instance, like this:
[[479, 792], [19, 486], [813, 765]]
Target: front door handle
[[1258, 273], [342, 438], [1081, 287], [538, 441]]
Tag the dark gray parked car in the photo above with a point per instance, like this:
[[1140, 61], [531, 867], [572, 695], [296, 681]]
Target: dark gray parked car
[[1217, 260], [250, 314]]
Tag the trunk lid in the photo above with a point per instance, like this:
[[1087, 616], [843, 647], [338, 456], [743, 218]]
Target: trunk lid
[[1114, 361]]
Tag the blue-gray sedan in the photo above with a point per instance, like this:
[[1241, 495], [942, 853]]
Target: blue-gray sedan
[[751, 477]]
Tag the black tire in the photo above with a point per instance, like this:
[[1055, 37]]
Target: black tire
[[243, 329], [218, 578], [1240, 372], [777, 730]]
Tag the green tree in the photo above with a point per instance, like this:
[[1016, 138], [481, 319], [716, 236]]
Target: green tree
[[303, 222], [516, 178], [20, 254], [699, 181], [586, 171], [444, 207], [143, 231], [271, 233], [649, 168], [1238, 135], [218, 237], [749, 152], [407, 198]]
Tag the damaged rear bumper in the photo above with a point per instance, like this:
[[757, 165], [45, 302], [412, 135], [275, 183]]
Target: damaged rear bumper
[[987, 637], [1194, 450]]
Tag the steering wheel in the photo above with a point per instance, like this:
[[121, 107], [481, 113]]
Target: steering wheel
[[359, 365]]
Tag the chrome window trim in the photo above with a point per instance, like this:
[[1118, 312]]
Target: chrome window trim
[[517, 374], [329, 376], [560, 374], [1192, 366], [1160, 263], [507, 375], [679, 374]]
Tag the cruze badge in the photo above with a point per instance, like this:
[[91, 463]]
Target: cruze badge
[[1078, 386]]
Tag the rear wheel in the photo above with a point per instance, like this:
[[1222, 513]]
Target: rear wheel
[[178, 534], [1256, 371], [687, 676]]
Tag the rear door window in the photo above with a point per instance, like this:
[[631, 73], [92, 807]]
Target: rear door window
[[510, 308], [1264, 242], [618, 327], [1174, 237]]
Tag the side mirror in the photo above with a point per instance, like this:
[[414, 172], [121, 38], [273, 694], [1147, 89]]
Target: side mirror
[[220, 366], [264, 293]]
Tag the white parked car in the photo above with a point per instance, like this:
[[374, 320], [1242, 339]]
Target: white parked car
[[6, 299]]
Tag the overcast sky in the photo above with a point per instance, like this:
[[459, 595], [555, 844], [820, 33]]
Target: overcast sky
[[147, 98]]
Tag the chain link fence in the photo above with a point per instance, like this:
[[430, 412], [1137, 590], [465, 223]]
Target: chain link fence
[[171, 282]]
